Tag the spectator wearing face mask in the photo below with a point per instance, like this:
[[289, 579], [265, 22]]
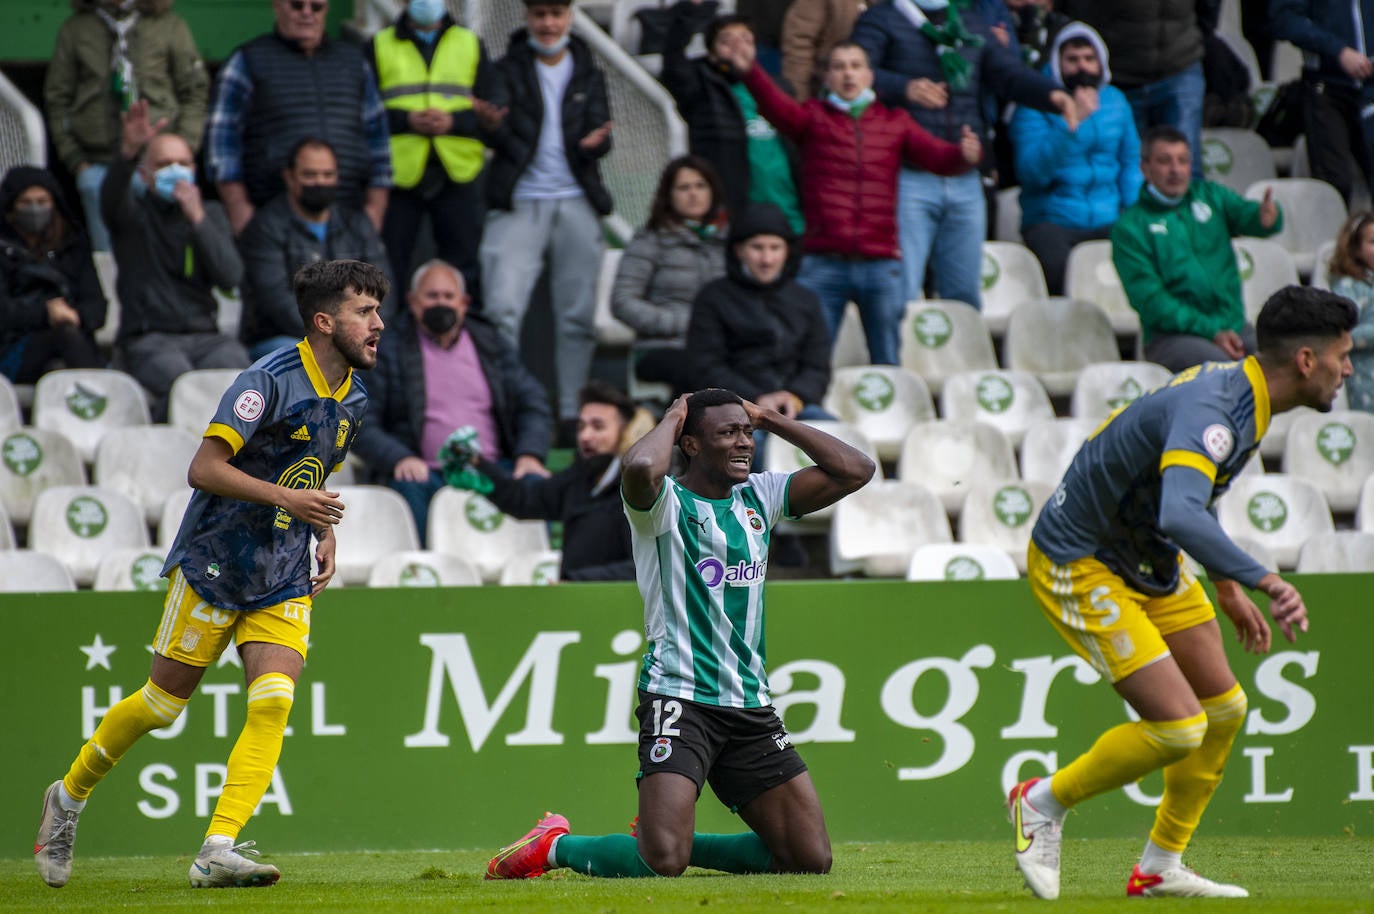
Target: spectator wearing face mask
[[50, 298], [301, 225], [172, 248]]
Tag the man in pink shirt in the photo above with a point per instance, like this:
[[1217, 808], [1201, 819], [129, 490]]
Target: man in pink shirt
[[442, 368]]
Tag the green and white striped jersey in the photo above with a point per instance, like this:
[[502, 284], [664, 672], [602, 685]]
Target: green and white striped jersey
[[701, 564]]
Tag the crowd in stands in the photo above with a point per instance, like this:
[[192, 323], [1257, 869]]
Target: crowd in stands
[[840, 152]]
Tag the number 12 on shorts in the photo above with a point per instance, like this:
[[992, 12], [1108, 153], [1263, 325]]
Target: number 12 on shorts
[[663, 726]]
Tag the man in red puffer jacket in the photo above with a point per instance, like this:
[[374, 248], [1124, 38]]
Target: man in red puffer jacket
[[852, 150]]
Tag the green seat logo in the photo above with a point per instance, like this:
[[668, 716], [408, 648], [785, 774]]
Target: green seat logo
[[933, 328], [1336, 442], [22, 454], [964, 568], [1217, 158], [1127, 391], [994, 393], [545, 573], [86, 517], [85, 403], [874, 392], [1245, 264], [146, 572], [1267, 511], [992, 271], [1012, 505], [418, 574], [482, 514]]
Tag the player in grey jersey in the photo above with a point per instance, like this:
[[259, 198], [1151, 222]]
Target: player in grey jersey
[[705, 713]]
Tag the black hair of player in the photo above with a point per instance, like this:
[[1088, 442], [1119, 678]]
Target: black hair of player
[[326, 284]]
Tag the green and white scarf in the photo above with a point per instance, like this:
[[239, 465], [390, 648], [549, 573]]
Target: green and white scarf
[[948, 40]]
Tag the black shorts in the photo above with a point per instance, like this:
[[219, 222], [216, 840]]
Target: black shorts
[[740, 752]]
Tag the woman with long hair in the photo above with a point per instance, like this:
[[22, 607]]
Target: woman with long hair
[[1352, 275]]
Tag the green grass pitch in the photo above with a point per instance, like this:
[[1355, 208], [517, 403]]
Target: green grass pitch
[[1297, 875]]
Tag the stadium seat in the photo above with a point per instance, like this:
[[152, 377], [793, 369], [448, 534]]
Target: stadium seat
[[947, 456], [173, 509], [148, 463], [608, 330], [532, 568], [1278, 511], [1321, 265], [1091, 276], [1056, 338], [423, 568], [80, 524], [1236, 157], [1009, 400], [467, 525], [11, 416], [1276, 439], [882, 402], [108, 273], [28, 571], [1011, 275], [84, 403], [1103, 387], [781, 457], [6, 530], [1256, 551], [1001, 513], [31, 460], [376, 521], [1345, 551], [1265, 267], [1049, 447], [1334, 451], [131, 569], [1008, 227], [961, 562], [1313, 212], [195, 396], [878, 528], [851, 346], [941, 338]]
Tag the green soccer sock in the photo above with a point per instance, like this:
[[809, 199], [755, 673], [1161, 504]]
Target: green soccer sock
[[606, 855], [741, 853]]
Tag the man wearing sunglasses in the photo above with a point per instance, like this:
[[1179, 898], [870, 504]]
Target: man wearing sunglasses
[[285, 85]]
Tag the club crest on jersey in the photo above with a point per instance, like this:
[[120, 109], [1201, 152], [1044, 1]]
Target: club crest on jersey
[[744, 574], [755, 522], [341, 435], [1201, 211], [663, 747], [1219, 441]]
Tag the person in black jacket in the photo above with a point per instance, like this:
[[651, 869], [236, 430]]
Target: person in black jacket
[[440, 368], [550, 126], [50, 298]]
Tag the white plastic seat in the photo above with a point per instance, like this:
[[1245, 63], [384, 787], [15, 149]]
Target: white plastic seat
[[851, 346], [131, 569], [28, 571], [882, 402], [6, 530], [1103, 387], [1235, 157], [1008, 226], [80, 524], [1278, 511], [1321, 265], [1056, 338], [941, 338], [1091, 276], [1265, 266], [1008, 400], [84, 403], [961, 562], [31, 460], [376, 520], [11, 416], [1313, 212], [1011, 276], [423, 568], [195, 396], [467, 525], [607, 329], [1276, 438], [1001, 513], [108, 274], [1050, 445], [1257, 551], [532, 568], [948, 456], [1334, 451], [1345, 551], [148, 463], [781, 457], [878, 528], [173, 510]]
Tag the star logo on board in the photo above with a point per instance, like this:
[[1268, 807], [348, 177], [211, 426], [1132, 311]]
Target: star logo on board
[[22, 454], [874, 392], [98, 653], [932, 328], [1336, 442], [230, 657]]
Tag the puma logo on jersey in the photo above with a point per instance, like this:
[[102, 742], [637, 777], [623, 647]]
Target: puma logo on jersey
[[701, 524], [301, 434]]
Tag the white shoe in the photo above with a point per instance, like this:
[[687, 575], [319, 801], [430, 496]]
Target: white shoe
[[1179, 882], [222, 865], [1038, 839], [52, 850]]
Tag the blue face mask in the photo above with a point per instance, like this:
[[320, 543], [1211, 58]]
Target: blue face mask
[[548, 50], [425, 13], [165, 179], [932, 6]]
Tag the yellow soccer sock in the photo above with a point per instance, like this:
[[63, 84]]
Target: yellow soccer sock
[[1125, 754], [255, 754], [147, 709], [1190, 782]]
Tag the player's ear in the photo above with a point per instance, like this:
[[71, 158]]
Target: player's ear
[[323, 322], [689, 445], [1306, 360]]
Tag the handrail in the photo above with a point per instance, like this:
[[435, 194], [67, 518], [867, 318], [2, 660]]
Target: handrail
[[35, 131]]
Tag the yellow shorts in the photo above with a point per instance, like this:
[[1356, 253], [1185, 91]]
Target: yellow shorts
[[196, 633], [1108, 623]]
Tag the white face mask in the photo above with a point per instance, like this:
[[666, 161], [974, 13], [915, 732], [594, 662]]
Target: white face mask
[[932, 6], [548, 50]]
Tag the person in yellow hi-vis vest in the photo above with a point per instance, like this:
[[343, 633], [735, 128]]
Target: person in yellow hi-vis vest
[[432, 74]]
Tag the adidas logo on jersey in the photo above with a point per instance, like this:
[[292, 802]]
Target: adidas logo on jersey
[[301, 434]]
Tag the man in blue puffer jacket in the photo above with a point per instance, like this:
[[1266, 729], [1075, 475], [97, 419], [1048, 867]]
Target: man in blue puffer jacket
[[1075, 184]]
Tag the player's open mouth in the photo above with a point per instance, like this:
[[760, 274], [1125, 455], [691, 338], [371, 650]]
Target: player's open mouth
[[742, 460]]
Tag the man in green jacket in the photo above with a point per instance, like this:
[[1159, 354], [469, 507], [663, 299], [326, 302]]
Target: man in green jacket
[[1173, 252]]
